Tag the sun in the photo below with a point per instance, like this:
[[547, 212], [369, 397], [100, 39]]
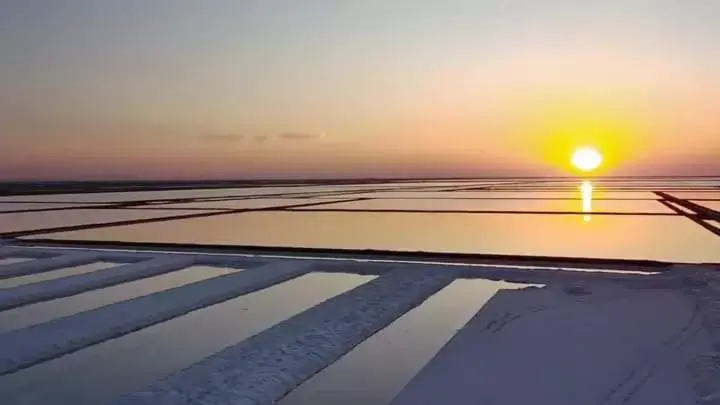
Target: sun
[[587, 159]]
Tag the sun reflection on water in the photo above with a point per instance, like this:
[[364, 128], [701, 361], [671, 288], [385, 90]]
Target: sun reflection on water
[[586, 189]]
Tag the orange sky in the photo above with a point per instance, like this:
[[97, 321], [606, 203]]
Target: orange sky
[[318, 89]]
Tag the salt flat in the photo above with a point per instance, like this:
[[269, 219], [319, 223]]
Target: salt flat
[[616, 304], [615, 345]]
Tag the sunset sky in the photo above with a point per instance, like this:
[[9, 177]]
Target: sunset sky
[[187, 89]]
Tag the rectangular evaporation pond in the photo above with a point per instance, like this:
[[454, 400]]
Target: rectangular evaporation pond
[[31, 206], [99, 373], [160, 195], [10, 260], [667, 238], [646, 186], [598, 194], [713, 205], [490, 194], [639, 206], [460, 194], [398, 186], [326, 189], [377, 369], [536, 186], [50, 219], [245, 204], [54, 274], [659, 182], [681, 208], [44, 311], [687, 195], [435, 184], [147, 195], [240, 192], [611, 271]]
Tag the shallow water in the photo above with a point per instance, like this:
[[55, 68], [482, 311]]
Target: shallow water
[[188, 193], [99, 373], [667, 238], [13, 222], [625, 206], [709, 194], [54, 274], [570, 193], [246, 204], [31, 206], [377, 369], [713, 205], [11, 260], [48, 310]]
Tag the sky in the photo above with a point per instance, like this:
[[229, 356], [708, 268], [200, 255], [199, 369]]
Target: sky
[[233, 89]]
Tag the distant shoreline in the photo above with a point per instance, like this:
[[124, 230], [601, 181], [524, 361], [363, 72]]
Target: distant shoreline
[[362, 179], [27, 187]]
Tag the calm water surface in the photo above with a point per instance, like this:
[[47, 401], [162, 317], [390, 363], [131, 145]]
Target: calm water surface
[[59, 273], [45, 311], [99, 373], [377, 369]]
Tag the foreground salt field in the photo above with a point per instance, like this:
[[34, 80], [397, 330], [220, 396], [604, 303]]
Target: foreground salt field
[[413, 293], [588, 336], [609, 345]]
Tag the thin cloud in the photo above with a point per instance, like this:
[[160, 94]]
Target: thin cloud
[[261, 138], [285, 136], [301, 136], [229, 137]]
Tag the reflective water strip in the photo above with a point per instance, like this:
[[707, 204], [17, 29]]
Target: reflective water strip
[[262, 369], [25, 347]]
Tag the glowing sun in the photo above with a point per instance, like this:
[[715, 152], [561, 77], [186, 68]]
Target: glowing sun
[[587, 159]]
